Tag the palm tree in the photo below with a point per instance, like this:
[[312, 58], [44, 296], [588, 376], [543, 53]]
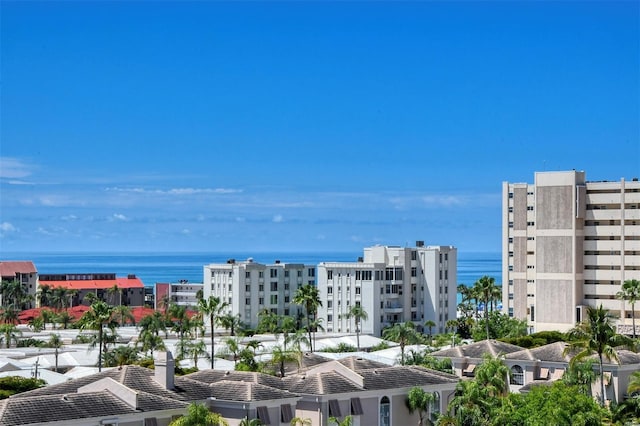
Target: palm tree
[[309, 297], [358, 313], [55, 342], [230, 322], [279, 357], [288, 327], [113, 292], [121, 355], [43, 295], [630, 292], [347, 421], [430, 324], [122, 314], [148, 341], [403, 333], [199, 415], [96, 318], [485, 286], [297, 341], [250, 422], [300, 421], [634, 383], [63, 318], [197, 350], [212, 307], [596, 335], [233, 348], [10, 333], [419, 400]]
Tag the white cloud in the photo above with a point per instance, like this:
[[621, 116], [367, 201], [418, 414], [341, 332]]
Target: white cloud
[[7, 228], [278, 218], [13, 168], [177, 191], [69, 218], [186, 232], [118, 217]]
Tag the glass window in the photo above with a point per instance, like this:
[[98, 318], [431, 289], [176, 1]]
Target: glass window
[[385, 412]]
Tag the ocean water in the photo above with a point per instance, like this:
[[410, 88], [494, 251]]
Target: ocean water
[[173, 267]]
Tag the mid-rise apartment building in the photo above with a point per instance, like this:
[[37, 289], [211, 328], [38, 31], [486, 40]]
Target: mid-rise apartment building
[[393, 285], [183, 293], [23, 272], [249, 287], [568, 243]]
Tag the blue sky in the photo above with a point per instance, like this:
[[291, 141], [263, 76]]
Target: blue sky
[[302, 126]]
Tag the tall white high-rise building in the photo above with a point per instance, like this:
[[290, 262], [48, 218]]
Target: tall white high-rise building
[[566, 244], [393, 285], [249, 287]]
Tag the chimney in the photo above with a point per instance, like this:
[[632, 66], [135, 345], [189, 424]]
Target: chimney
[[419, 243], [165, 369]]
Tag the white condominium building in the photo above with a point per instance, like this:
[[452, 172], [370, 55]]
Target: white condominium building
[[249, 287], [393, 285], [566, 244]]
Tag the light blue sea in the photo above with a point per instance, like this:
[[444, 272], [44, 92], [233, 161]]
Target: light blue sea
[[172, 267]]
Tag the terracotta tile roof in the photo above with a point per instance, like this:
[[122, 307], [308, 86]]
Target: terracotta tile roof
[[10, 268], [95, 284]]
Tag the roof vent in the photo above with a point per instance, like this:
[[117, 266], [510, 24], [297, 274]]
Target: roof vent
[[231, 261], [226, 373]]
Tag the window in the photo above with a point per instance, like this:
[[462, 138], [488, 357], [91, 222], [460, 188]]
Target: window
[[286, 274], [263, 415], [274, 273], [330, 290], [329, 317], [329, 304], [261, 301], [247, 301], [385, 412], [299, 274], [334, 408], [510, 224], [261, 274], [356, 407], [274, 299], [414, 271], [247, 288], [414, 255], [517, 375], [329, 275], [357, 290], [434, 407], [247, 274], [311, 272], [286, 413], [261, 287], [511, 195], [286, 299], [274, 286]]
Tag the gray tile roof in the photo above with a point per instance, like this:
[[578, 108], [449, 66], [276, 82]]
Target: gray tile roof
[[231, 390], [384, 377], [213, 376], [19, 411], [478, 350], [356, 363], [134, 377], [553, 352]]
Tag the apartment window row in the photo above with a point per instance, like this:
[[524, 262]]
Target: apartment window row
[[602, 252], [603, 267], [602, 282], [610, 222]]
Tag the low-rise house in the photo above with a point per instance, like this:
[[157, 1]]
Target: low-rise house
[[372, 393], [465, 358], [548, 363]]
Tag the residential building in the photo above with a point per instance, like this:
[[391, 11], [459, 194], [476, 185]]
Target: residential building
[[183, 293], [25, 273], [371, 392], [393, 285], [114, 290], [568, 243], [249, 287]]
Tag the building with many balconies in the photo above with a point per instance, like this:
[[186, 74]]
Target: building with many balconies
[[393, 285], [568, 243], [249, 287]]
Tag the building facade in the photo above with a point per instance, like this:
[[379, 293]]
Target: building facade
[[393, 285], [128, 291], [23, 272], [249, 287], [183, 293], [567, 244]]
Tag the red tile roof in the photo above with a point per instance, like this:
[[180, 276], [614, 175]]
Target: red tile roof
[[10, 268], [95, 284]]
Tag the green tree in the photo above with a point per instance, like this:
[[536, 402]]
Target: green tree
[[347, 421], [122, 314], [196, 351], [55, 342], [63, 318], [300, 421], [116, 294], [97, 318], [430, 324], [596, 335], [15, 384], [309, 297], [358, 314], [230, 322], [419, 400], [630, 292], [212, 307], [121, 355], [199, 415], [250, 422], [9, 333], [581, 375], [486, 289], [402, 333], [43, 295], [634, 383]]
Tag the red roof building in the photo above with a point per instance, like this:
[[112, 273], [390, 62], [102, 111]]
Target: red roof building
[[130, 289], [23, 271]]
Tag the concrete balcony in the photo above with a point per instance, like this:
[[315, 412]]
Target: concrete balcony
[[608, 214], [602, 230]]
